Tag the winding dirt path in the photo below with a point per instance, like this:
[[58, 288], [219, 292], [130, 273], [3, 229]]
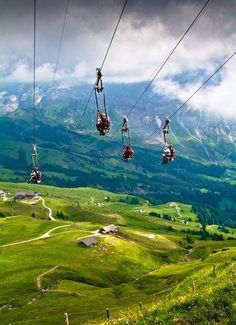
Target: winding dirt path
[[40, 198], [46, 235], [38, 279], [50, 216]]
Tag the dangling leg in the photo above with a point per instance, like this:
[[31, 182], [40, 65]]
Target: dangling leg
[[33, 177], [98, 84]]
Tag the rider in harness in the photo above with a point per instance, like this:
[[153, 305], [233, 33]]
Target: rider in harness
[[127, 149], [127, 153], [169, 152], [36, 174], [103, 123], [102, 117]]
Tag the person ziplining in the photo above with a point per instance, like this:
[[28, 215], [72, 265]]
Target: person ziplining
[[169, 151], [159, 68], [126, 140], [36, 174], [98, 82], [102, 117]]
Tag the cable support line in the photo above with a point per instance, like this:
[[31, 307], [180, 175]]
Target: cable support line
[[85, 108], [195, 92], [103, 62], [114, 33], [35, 175], [159, 68], [34, 73], [60, 42]]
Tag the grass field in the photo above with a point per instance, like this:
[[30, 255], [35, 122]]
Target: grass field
[[44, 273]]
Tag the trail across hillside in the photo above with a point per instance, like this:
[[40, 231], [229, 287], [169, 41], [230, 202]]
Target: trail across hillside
[[38, 279], [39, 198], [50, 216], [46, 235]]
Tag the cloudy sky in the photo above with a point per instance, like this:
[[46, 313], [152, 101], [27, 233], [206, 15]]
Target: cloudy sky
[[148, 31]]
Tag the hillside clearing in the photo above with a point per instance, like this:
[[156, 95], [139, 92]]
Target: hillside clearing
[[146, 259]]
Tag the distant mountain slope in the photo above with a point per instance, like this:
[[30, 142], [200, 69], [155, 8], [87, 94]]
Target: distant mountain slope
[[200, 135], [87, 160]]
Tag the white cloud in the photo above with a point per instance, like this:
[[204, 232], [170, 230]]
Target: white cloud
[[81, 71], [144, 39], [23, 73], [214, 97], [219, 98]]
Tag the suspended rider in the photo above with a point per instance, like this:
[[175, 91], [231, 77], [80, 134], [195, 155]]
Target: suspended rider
[[169, 151], [127, 148], [127, 153], [36, 174], [103, 122], [98, 84], [102, 117]]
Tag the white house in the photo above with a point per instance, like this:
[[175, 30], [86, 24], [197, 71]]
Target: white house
[[3, 194]]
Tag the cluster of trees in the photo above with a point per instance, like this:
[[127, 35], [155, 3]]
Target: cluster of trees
[[133, 200], [154, 214], [204, 234], [61, 215], [158, 215], [212, 214], [166, 217], [205, 215], [223, 229]]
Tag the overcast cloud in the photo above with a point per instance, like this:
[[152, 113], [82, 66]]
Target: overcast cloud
[[148, 31]]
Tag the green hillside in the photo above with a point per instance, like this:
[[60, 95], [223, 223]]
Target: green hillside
[[152, 259], [70, 160]]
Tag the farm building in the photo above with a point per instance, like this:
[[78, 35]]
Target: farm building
[[108, 229], [88, 242], [2, 194], [25, 195]]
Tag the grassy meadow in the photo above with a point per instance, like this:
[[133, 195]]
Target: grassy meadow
[[159, 261]]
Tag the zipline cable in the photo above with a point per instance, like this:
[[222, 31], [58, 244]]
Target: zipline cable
[[36, 175], [195, 92], [60, 43], [204, 83], [103, 62], [114, 33], [159, 68], [34, 75], [102, 65]]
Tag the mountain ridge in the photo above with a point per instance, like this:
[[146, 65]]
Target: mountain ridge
[[68, 159]]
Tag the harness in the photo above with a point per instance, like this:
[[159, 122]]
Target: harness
[[36, 174], [169, 152], [126, 141], [102, 118]]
